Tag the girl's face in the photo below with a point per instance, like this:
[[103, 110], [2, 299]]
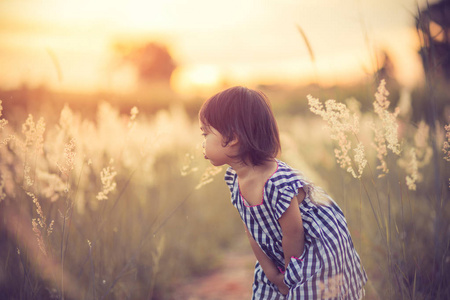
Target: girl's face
[[213, 148]]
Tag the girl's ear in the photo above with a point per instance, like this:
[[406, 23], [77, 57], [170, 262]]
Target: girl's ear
[[234, 141]]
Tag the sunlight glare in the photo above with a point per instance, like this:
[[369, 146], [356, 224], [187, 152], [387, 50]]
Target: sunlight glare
[[195, 78], [212, 41]]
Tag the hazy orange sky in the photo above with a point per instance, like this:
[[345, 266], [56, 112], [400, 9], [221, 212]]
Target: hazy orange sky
[[241, 41]]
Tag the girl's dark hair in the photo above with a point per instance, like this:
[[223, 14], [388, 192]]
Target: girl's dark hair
[[245, 114]]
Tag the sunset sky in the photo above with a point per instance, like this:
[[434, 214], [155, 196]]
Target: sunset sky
[[67, 44]]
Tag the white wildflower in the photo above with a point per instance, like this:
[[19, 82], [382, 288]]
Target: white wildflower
[[187, 168], [342, 124], [34, 134], [418, 156], [360, 159], [413, 170], [389, 125], [133, 113], [208, 176], [3, 122], [446, 145], [386, 129], [107, 176], [69, 158], [39, 224]]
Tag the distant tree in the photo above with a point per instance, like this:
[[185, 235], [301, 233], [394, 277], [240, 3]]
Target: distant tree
[[153, 62], [433, 25]]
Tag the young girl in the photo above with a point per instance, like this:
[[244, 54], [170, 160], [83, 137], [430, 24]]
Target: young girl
[[298, 234]]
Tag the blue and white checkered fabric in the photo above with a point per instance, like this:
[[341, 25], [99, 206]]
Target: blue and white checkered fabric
[[329, 267]]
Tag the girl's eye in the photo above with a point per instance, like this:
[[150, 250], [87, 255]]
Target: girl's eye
[[204, 134]]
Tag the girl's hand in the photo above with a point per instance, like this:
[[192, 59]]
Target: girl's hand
[[279, 282]]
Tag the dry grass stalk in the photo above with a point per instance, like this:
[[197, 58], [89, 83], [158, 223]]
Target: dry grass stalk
[[109, 184], [446, 145], [343, 125], [208, 176], [69, 158], [39, 224], [386, 131]]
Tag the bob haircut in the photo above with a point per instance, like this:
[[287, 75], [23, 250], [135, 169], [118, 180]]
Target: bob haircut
[[245, 114]]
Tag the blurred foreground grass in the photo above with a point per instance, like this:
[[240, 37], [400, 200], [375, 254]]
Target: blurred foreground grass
[[123, 206], [107, 209]]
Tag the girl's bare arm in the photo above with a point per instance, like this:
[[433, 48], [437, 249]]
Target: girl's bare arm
[[291, 224], [269, 268]]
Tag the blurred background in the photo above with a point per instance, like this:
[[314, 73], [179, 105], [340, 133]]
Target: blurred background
[[98, 124], [118, 46]]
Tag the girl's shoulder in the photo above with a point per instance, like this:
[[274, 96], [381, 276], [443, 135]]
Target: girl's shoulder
[[288, 180], [285, 180], [285, 174]]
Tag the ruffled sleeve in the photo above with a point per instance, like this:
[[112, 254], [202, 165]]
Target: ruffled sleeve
[[287, 188], [230, 178]]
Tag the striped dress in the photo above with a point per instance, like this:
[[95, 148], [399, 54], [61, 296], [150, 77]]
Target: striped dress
[[329, 267]]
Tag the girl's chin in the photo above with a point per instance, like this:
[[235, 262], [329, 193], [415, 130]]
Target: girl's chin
[[215, 164]]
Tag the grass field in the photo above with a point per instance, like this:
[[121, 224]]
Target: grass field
[[122, 205]]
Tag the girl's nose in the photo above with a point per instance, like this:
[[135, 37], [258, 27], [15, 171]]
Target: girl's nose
[[203, 144]]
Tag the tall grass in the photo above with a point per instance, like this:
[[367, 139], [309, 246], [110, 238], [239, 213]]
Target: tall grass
[[123, 207], [106, 209], [389, 186]]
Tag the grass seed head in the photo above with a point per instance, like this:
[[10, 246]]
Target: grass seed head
[[446, 144]]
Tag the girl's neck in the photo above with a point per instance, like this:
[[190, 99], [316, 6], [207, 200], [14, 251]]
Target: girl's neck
[[248, 170]]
